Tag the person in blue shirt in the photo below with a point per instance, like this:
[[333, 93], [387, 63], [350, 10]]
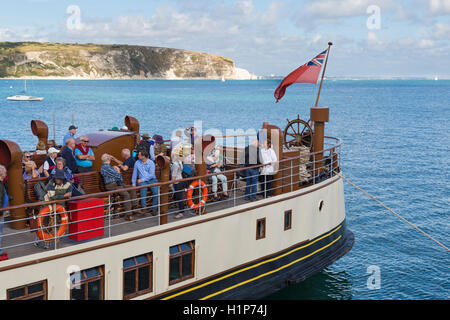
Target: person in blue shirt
[[70, 134], [3, 204], [84, 155], [144, 174]]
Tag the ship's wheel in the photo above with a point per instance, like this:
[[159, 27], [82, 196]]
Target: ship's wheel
[[298, 133]]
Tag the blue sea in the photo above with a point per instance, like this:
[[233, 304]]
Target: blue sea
[[396, 146]]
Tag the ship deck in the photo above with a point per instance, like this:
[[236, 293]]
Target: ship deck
[[18, 243], [294, 173]]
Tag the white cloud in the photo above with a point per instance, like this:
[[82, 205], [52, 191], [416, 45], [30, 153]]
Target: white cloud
[[441, 31], [6, 35], [425, 43], [373, 42], [439, 7], [344, 8], [262, 41]]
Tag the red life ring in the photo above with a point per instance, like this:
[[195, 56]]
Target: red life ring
[[190, 191], [40, 219]]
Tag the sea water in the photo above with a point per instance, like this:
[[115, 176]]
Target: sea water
[[396, 146]]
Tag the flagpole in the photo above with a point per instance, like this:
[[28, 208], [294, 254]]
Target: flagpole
[[323, 73]]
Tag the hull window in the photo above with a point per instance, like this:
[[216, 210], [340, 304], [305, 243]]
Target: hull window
[[88, 284], [34, 291], [260, 228], [137, 276], [287, 220], [181, 262]]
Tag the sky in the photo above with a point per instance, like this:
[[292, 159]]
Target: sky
[[371, 38]]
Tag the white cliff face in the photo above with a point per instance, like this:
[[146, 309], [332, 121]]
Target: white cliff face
[[73, 61], [242, 74]]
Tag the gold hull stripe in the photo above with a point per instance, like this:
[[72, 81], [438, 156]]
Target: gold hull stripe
[[255, 265], [270, 272]]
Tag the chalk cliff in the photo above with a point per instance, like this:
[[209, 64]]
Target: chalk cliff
[[92, 61]]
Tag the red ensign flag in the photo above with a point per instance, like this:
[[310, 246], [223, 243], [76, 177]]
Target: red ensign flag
[[307, 73]]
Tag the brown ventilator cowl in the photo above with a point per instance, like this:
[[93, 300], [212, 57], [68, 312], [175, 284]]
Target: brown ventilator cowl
[[133, 125], [11, 158], [40, 129]]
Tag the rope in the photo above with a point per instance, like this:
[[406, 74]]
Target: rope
[[396, 214]]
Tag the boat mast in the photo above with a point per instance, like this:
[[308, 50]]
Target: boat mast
[[323, 73], [54, 134]]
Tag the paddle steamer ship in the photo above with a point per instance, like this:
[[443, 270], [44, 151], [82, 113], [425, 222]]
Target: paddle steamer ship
[[228, 249]]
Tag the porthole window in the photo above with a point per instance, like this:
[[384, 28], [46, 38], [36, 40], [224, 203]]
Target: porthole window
[[321, 205]]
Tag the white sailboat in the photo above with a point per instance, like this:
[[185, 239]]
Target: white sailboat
[[23, 97], [223, 79]]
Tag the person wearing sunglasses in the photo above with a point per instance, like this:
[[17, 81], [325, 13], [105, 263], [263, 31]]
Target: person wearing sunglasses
[[25, 158], [84, 155]]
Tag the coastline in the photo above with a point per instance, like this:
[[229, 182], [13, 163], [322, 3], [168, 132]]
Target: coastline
[[219, 79]]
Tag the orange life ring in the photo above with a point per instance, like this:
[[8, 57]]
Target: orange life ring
[[40, 219], [190, 191]]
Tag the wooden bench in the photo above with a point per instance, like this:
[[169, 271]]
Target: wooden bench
[[126, 176], [30, 196], [90, 182]]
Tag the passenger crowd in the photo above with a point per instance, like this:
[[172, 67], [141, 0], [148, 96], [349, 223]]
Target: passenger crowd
[[60, 165]]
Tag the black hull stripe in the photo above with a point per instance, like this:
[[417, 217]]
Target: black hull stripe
[[270, 272], [255, 271]]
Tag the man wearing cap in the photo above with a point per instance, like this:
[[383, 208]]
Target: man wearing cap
[[70, 134], [84, 155]]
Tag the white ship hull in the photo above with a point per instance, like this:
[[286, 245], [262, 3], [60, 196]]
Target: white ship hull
[[225, 250]]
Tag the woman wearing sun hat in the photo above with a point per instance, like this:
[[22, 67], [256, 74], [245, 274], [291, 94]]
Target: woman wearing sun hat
[[49, 163], [160, 148]]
